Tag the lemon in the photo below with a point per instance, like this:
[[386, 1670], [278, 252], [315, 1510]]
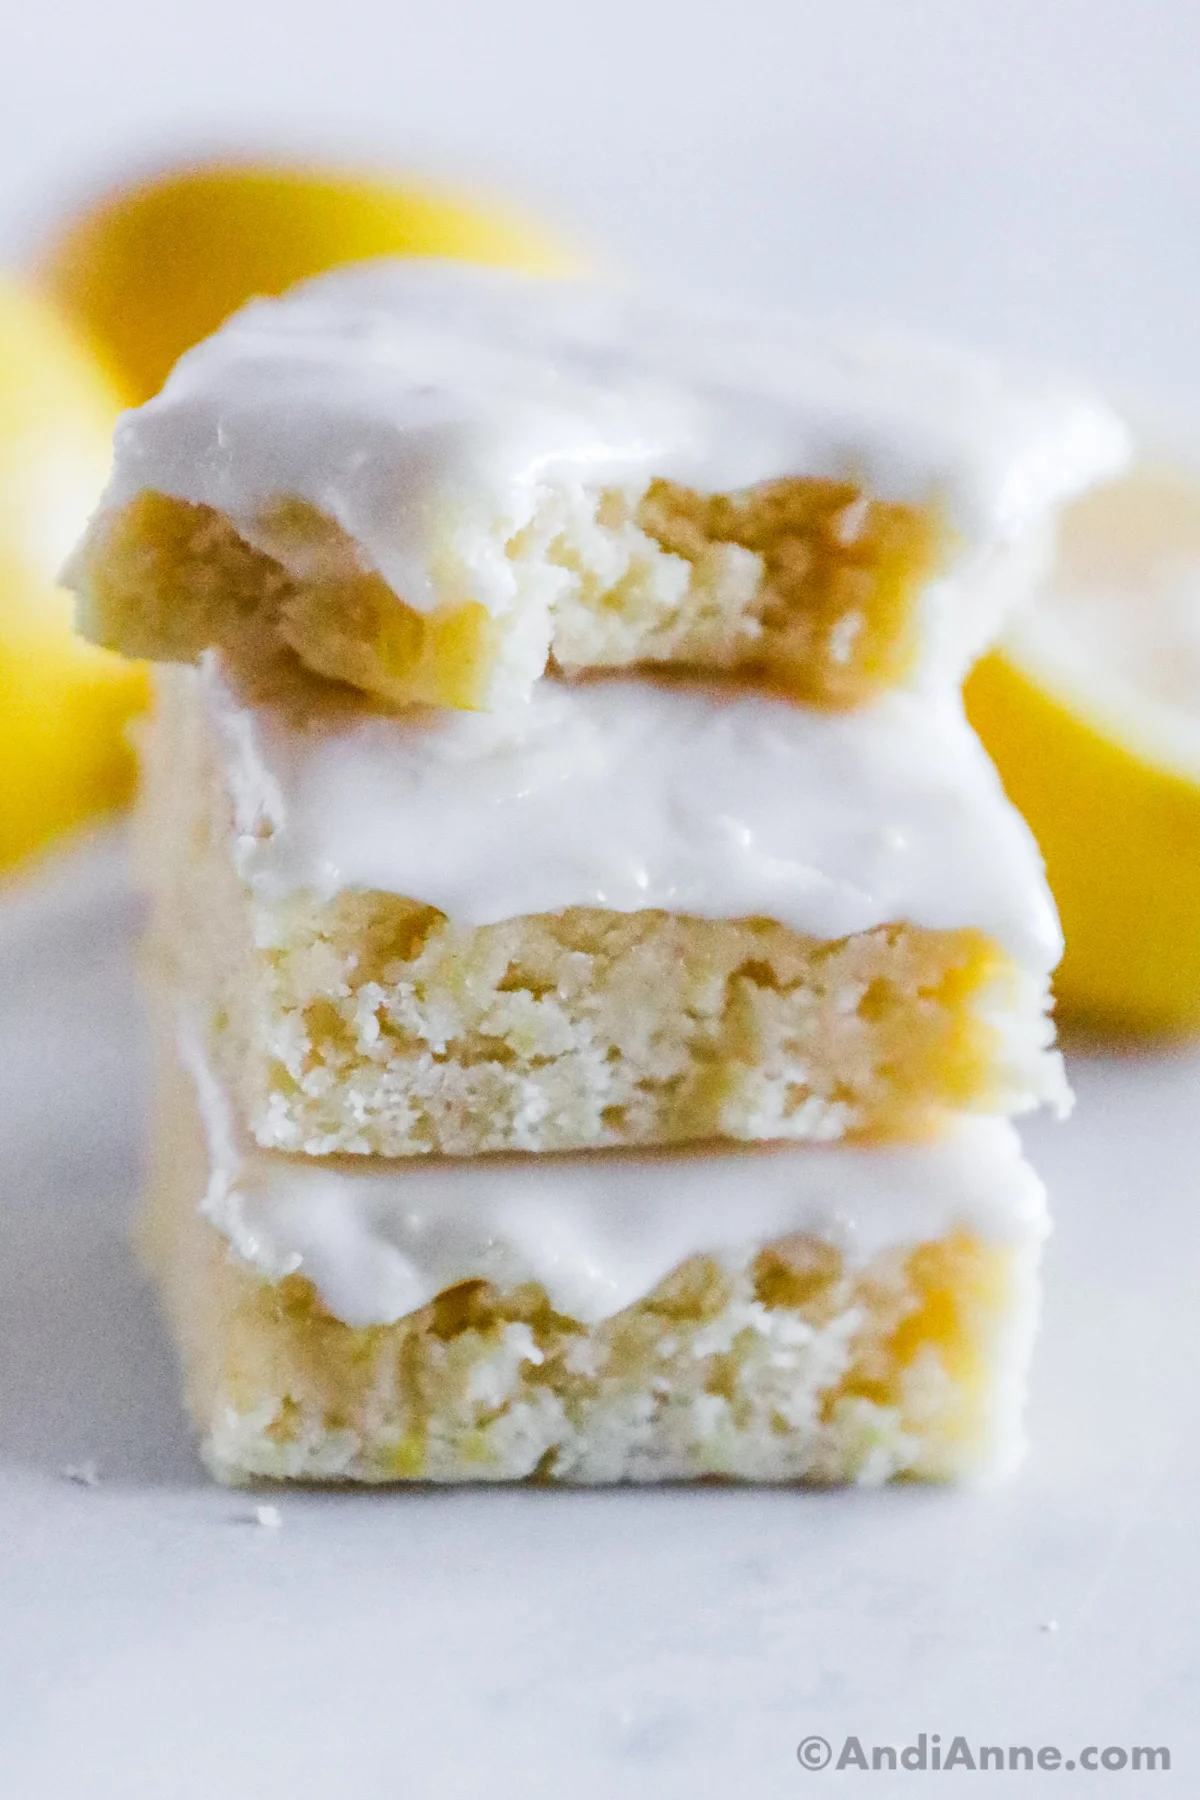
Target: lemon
[[63, 704], [1091, 711], [158, 266]]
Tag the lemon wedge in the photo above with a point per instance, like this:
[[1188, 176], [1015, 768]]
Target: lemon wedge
[[63, 704], [1091, 710], [157, 266]]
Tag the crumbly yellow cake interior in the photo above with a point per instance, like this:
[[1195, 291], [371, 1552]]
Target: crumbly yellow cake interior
[[369, 1023], [789, 1364], [806, 585]]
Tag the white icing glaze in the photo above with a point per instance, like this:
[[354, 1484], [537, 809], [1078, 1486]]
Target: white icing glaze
[[631, 794], [598, 1231], [421, 404]]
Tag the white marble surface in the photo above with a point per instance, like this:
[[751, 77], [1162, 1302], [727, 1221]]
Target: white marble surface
[[157, 1644]]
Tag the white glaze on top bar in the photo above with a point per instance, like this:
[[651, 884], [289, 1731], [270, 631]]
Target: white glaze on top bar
[[419, 403], [598, 1231], [632, 794]]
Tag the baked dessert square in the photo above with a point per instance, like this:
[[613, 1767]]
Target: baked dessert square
[[595, 962], [773, 1314], [435, 483], [635, 913]]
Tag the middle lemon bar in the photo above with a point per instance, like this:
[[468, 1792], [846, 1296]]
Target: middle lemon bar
[[629, 912]]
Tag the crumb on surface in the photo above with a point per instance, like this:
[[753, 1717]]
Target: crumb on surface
[[83, 1474]]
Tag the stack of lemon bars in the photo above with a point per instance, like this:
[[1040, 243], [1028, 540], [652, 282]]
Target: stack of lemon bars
[[594, 963]]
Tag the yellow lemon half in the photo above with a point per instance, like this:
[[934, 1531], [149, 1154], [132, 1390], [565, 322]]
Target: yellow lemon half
[[1091, 711], [156, 267], [63, 704]]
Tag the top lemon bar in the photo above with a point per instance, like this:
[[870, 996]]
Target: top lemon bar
[[437, 482]]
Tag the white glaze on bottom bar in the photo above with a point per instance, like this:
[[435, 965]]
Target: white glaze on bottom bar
[[597, 1231]]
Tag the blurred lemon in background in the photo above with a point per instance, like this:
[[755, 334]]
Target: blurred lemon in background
[[154, 268], [63, 754], [1091, 710]]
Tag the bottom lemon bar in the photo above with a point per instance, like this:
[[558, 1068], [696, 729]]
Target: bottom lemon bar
[[775, 1313]]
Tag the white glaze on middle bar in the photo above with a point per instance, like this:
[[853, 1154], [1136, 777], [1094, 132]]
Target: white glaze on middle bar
[[630, 794]]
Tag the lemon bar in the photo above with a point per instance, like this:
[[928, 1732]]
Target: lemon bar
[[435, 482], [627, 913], [774, 1314]]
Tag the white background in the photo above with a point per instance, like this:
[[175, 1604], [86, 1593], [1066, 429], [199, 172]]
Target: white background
[[1024, 173]]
